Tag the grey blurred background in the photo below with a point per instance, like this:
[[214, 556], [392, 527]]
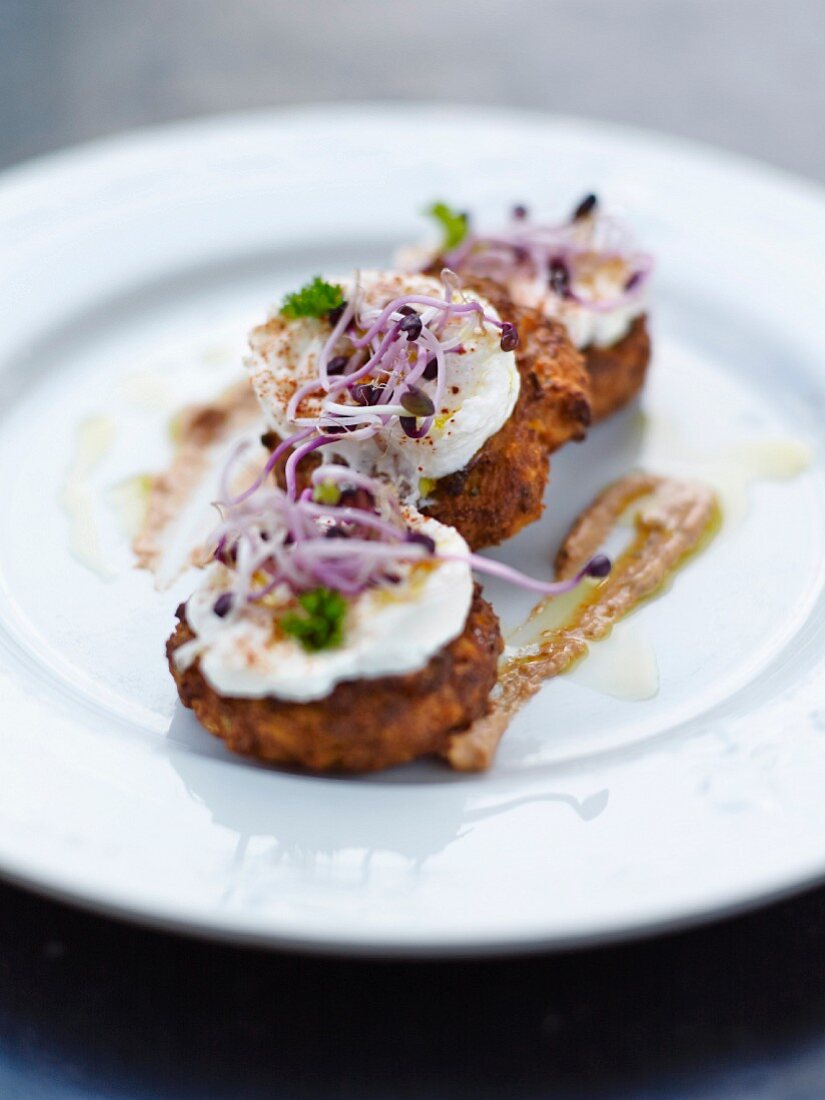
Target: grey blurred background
[[746, 74]]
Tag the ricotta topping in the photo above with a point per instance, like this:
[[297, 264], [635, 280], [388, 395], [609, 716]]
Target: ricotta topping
[[585, 326], [388, 630], [585, 273], [482, 386]]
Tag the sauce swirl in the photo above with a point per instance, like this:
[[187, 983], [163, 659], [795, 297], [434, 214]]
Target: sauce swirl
[[672, 519]]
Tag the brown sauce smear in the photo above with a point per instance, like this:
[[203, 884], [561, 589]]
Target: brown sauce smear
[[196, 429], [674, 519]]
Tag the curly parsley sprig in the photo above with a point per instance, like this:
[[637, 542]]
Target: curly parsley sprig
[[322, 627], [316, 299], [454, 225]]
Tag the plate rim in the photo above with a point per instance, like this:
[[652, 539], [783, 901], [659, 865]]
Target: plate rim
[[84, 154], [66, 156], [326, 946]]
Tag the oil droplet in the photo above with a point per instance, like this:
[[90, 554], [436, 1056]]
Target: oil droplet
[[93, 438], [730, 470], [777, 459], [622, 665], [148, 390], [130, 501], [546, 616], [736, 468], [217, 355]]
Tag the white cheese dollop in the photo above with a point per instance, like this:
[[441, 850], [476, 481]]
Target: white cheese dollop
[[585, 327], [387, 630], [482, 386]]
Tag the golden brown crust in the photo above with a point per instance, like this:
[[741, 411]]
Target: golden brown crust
[[576, 390], [363, 725], [560, 397], [502, 489], [617, 373]]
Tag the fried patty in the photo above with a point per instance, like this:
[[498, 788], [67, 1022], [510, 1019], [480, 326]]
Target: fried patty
[[363, 725], [611, 379], [502, 488], [557, 382], [617, 373]]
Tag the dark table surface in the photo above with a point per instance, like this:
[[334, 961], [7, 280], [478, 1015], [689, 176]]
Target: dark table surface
[[92, 1008]]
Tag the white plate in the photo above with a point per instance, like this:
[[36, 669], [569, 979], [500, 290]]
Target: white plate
[[151, 255]]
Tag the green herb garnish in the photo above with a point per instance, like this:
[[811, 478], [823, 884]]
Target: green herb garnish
[[327, 492], [316, 299], [322, 627], [453, 225]]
